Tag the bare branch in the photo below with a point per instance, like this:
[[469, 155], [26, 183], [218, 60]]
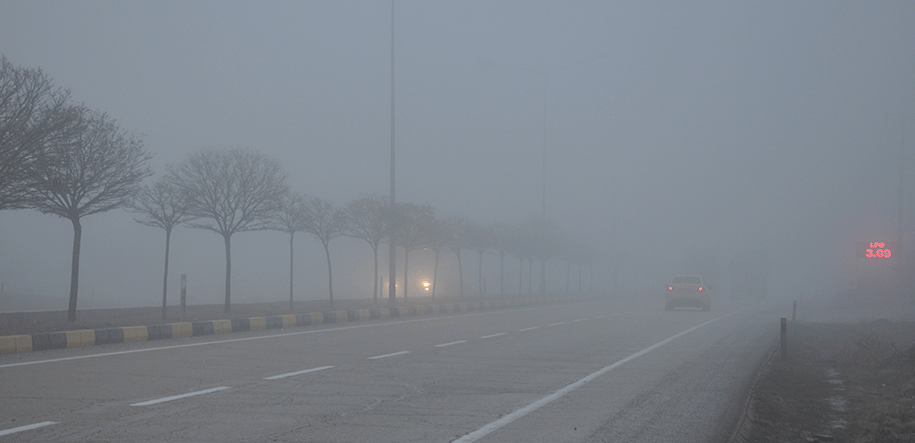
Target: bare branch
[[33, 114], [96, 169], [230, 191]]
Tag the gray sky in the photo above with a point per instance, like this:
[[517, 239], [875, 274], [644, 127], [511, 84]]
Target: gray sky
[[717, 124]]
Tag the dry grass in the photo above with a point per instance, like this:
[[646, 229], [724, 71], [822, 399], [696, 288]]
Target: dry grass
[[847, 382]]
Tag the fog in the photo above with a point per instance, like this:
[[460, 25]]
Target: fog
[[665, 126]]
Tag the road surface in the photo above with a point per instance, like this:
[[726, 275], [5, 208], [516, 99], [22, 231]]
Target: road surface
[[597, 371]]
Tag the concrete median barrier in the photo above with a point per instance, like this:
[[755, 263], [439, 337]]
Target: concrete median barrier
[[335, 317], [15, 343], [135, 333], [274, 322], [130, 334], [84, 337], [222, 326], [288, 321], [258, 323], [379, 313], [241, 325], [182, 329]]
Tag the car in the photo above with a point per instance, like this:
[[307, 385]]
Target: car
[[687, 291]]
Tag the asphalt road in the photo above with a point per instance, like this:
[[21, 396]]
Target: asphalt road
[[618, 370]]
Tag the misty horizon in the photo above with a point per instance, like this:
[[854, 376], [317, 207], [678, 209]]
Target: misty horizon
[[769, 127]]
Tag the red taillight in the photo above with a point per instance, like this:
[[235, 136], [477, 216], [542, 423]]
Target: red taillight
[[670, 288], [700, 288]]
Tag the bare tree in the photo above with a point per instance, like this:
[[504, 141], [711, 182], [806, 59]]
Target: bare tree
[[546, 240], [234, 190], [571, 253], [326, 222], [367, 218], [96, 169], [523, 246], [436, 240], [412, 226], [502, 236], [33, 114], [162, 205], [459, 238], [290, 218], [481, 240]]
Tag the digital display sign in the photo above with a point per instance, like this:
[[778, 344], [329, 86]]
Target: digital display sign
[[875, 250]]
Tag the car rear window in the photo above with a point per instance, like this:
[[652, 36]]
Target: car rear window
[[686, 279]]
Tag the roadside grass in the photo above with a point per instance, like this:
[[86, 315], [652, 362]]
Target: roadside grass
[[841, 382]]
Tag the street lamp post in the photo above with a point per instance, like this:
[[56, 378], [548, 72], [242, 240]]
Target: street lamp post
[[392, 278], [544, 76], [900, 252]]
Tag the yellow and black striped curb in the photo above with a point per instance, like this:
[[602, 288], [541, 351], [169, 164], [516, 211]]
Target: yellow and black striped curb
[[128, 334]]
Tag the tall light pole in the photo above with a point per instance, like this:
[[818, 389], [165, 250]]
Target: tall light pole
[[900, 216], [544, 75], [392, 277]]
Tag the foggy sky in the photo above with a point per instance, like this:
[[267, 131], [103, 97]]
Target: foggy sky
[[732, 126]]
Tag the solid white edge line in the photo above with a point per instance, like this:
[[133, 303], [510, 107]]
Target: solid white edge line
[[528, 329], [486, 430], [178, 397], [291, 374], [27, 428], [389, 355], [493, 335], [452, 343]]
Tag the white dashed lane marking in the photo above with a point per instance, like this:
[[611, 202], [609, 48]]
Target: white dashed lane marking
[[292, 374], [452, 343], [557, 324], [389, 355], [528, 329], [493, 335], [27, 428], [179, 397]]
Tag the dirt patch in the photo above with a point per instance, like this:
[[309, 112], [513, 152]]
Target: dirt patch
[[841, 382]]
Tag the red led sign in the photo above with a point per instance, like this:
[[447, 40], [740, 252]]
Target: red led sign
[[877, 249]]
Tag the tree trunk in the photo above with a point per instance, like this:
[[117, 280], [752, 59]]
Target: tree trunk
[[291, 236], [406, 257], [568, 274], [579, 279], [392, 271], [502, 276], [375, 281], [435, 274], [74, 269], [460, 272], [530, 266], [168, 238], [228, 305], [330, 273], [480, 274]]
